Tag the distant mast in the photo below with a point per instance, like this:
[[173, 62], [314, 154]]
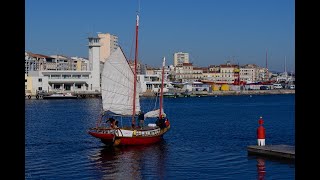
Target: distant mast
[[285, 64], [135, 73], [161, 89], [267, 72]]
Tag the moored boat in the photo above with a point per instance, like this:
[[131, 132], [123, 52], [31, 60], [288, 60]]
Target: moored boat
[[60, 95]]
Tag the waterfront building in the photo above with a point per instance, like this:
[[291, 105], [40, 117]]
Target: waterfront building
[[214, 68], [197, 73], [80, 64], [35, 62], [166, 72], [212, 75], [227, 73], [248, 73], [179, 58], [139, 66], [40, 62], [35, 82], [58, 81], [152, 83], [262, 74], [61, 63], [184, 72], [196, 87], [108, 43], [61, 73], [150, 70]]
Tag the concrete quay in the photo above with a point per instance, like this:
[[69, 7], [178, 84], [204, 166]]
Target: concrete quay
[[80, 95], [276, 151]]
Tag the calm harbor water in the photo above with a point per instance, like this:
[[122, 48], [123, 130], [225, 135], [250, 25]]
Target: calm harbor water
[[207, 140]]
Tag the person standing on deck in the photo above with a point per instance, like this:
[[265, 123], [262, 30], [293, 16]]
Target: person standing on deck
[[141, 119], [112, 122]]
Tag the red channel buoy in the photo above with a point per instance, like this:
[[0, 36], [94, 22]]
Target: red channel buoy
[[261, 133]]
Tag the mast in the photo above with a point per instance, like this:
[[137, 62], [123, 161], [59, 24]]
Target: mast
[[161, 90], [285, 64], [135, 73], [267, 73]]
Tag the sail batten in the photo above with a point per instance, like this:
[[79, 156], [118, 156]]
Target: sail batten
[[117, 85]]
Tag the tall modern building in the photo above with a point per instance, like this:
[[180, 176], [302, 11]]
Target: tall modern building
[[109, 43], [179, 58]]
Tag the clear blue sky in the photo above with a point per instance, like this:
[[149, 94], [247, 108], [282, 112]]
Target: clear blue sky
[[211, 31]]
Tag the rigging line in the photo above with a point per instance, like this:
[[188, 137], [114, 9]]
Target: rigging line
[[155, 103], [134, 35], [130, 57]]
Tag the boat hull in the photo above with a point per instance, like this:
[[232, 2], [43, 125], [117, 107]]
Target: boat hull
[[114, 140]]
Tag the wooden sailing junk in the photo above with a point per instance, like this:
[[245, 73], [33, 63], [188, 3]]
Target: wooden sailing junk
[[120, 101]]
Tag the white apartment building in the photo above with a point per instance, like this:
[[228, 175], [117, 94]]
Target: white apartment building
[[213, 76], [152, 83], [262, 74], [248, 73], [36, 82], [227, 73], [80, 64], [179, 58], [197, 73], [158, 72], [35, 62]]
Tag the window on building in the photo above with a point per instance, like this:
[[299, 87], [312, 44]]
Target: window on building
[[40, 80], [26, 80], [40, 88]]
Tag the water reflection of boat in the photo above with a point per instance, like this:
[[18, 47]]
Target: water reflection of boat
[[123, 162]]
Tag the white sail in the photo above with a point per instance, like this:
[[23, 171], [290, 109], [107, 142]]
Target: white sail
[[117, 85], [154, 113]]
